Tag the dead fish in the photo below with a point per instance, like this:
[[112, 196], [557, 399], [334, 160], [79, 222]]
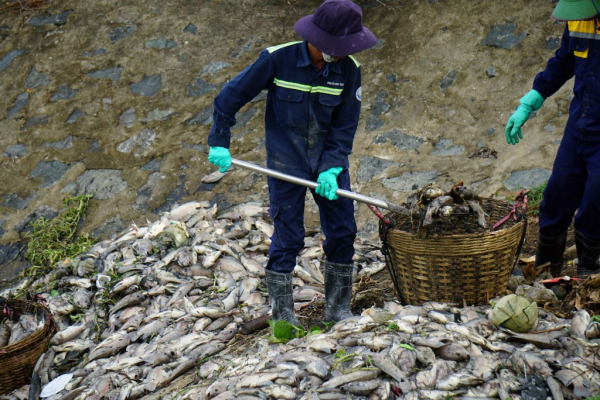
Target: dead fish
[[228, 332], [128, 301], [264, 227], [75, 345], [439, 370], [484, 366], [555, 388], [252, 209], [476, 208], [111, 345], [313, 364], [253, 266], [579, 323], [520, 361], [387, 366], [541, 340], [376, 342], [457, 380], [434, 206], [592, 331], [232, 300], [441, 317], [181, 292], [233, 266], [351, 377], [219, 324], [453, 352], [247, 287], [434, 343], [4, 334], [363, 388], [425, 355], [430, 194], [322, 343], [159, 376], [203, 311], [472, 336], [185, 211]]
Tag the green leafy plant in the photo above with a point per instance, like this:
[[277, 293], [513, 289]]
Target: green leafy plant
[[596, 318], [283, 331], [315, 330], [392, 326], [53, 240], [534, 198]]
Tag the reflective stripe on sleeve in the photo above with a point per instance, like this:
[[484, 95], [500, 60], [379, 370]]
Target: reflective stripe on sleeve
[[274, 48]]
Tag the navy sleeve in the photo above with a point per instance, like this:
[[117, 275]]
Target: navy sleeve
[[237, 93], [338, 144], [559, 69]]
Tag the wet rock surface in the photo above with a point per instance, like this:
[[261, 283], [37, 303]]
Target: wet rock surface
[[96, 92]]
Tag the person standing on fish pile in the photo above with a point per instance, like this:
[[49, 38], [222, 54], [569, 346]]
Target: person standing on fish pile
[[312, 112], [574, 185]]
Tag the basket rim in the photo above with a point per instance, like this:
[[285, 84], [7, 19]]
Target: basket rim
[[462, 235]]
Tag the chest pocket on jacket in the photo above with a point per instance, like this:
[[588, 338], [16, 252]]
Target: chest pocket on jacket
[[329, 100], [579, 47], [327, 104], [292, 109]]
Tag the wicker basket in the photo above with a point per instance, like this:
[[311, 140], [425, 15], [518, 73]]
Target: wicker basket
[[464, 267], [18, 359]]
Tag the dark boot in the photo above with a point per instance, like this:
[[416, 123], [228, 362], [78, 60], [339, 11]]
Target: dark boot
[[551, 249], [588, 254], [338, 291], [279, 286]]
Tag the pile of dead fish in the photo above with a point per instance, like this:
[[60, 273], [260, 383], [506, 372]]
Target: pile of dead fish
[[168, 299], [13, 331], [432, 201]]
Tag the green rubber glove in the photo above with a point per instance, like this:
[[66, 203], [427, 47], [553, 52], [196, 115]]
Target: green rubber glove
[[328, 183], [220, 157], [532, 101]]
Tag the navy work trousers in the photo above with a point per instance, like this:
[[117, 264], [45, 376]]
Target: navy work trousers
[[287, 211], [573, 187]]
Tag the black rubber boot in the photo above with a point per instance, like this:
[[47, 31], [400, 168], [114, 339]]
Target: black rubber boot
[[279, 286], [338, 291], [551, 249], [588, 254]]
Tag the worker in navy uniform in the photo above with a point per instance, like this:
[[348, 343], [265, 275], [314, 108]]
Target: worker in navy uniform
[[574, 185], [312, 113]]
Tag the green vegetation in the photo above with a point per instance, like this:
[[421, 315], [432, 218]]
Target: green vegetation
[[53, 240], [534, 198], [283, 331]]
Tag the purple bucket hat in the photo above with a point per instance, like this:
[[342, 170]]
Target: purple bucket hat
[[336, 29]]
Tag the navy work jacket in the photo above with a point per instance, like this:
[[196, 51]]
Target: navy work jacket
[[579, 56], [311, 116]]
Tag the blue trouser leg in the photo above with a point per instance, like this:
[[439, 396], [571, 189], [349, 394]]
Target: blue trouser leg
[[287, 212], [587, 220], [337, 221], [574, 186]]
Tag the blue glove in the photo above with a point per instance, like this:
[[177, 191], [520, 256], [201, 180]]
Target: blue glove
[[220, 157], [328, 183], [532, 101]]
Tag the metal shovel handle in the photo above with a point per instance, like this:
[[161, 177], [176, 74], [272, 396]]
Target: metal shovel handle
[[312, 185]]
